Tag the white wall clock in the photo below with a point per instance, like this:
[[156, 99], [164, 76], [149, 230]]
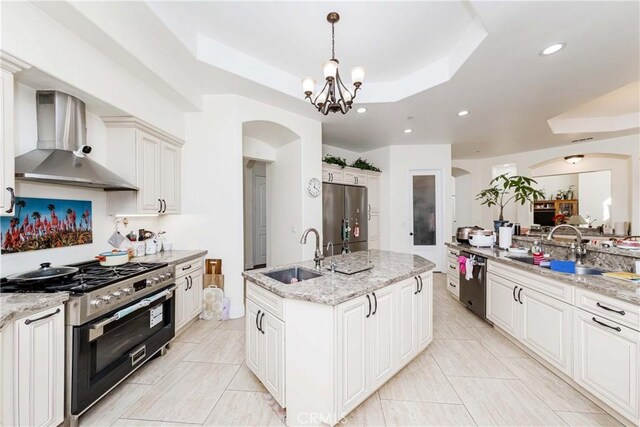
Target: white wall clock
[[314, 186]]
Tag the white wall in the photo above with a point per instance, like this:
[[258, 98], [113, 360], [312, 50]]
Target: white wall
[[212, 202], [628, 185], [103, 224], [34, 37], [463, 194]]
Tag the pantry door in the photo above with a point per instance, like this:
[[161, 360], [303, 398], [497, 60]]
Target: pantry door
[[426, 220]]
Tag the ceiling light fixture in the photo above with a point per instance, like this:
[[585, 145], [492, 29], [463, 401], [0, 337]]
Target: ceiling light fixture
[[408, 130], [463, 113], [334, 95], [361, 110], [574, 158], [549, 50]]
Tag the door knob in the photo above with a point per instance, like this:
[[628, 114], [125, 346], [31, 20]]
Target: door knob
[[410, 234]]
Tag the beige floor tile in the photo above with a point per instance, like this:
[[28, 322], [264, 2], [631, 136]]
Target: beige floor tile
[[497, 344], [503, 402], [125, 422], [112, 406], [553, 391], [187, 394], [243, 408], [422, 380], [467, 358], [400, 413], [450, 328], [369, 413], [221, 346], [198, 331], [154, 370], [232, 324], [245, 380], [581, 419]]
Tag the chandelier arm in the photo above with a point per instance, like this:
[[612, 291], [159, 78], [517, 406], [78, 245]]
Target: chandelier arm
[[315, 100], [352, 94]]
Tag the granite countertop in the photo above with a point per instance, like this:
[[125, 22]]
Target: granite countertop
[[335, 288], [621, 289], [171, 257], [15, 306]]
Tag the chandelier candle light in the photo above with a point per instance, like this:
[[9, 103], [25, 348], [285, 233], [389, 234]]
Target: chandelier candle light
[[334, 95]]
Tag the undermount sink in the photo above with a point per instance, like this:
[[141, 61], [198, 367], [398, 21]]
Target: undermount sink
[[288, 274], [581, 270]]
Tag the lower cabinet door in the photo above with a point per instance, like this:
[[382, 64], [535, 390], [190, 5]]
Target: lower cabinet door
[[182, 301], [195, 296], [39, 342], [273, 336], [501, 304], [546, 327], [382, 333], [425, 310], [606, 361], [252, 338], [407, 320], [352, 317]]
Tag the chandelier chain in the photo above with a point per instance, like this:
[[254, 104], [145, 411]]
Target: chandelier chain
[[333, 42]]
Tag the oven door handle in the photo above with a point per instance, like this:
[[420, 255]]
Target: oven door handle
[[97, 329]]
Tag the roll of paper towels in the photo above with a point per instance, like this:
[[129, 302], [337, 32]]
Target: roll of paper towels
[[620, 228], [505, 237]]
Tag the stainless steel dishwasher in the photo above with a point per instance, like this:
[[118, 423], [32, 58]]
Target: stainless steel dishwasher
[[473, 292]]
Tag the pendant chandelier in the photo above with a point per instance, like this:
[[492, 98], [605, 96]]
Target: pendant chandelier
[[334, 95]]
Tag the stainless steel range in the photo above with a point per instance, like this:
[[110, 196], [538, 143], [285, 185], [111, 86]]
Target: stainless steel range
[[116, 319]]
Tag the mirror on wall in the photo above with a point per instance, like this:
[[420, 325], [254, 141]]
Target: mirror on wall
[[586, 194]]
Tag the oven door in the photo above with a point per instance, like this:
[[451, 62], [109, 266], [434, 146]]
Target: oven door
[[108, 349]]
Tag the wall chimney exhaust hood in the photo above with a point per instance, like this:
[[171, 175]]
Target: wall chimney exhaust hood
[[61, 153]]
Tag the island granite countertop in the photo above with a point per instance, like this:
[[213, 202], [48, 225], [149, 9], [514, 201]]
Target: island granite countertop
[[335, 288], [616, 288], [15, 306]]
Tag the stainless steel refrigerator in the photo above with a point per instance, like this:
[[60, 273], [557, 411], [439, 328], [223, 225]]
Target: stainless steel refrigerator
[[344, 206]]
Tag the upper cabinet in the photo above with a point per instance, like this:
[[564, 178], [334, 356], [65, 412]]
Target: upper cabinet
[[150, 159], [8, 67]]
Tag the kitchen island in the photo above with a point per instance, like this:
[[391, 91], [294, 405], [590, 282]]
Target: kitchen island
[[321, 346]]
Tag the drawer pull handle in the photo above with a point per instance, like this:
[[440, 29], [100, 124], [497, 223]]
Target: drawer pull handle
[[514, 293], [604, 307], [187, 267], [519, 292], [369, 299], [257, 316], [30, 321], [261, 319], [375, 300], [615, 328]]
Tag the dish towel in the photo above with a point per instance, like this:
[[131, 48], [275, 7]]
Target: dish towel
[[462, 264], [469, 268]]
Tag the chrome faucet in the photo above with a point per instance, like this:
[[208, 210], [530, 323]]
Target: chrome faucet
[[318, 255], [332, 265], [578, 250]]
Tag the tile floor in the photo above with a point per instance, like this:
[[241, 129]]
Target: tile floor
[[469, 375]]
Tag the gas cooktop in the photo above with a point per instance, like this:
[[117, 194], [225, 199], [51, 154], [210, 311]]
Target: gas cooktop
[[91, 276]]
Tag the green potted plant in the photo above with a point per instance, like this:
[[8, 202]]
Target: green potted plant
[[504, 189]]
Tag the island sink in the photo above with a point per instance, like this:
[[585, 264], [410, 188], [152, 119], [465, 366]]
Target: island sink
[[288, 274]]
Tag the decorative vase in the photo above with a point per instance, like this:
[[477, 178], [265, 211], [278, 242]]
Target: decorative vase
[[498, 223]]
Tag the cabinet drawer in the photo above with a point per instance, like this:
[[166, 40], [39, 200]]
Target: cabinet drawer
[[453, 285], [544, 285], [188, 267], [453, 253], [452, 267], [265, 299], [621, 312]]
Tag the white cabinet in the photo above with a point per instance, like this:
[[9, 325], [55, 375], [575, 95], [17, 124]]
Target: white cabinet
[[265, 357], [501, 306], [453, 269], [606, 361], [546, 328], [148, 158], [542, 323], [189, 282], [354, 177], [8, 67], [38, 374], [424, 299], [382, 331], [407, 314], [373, 187], [332, 174]]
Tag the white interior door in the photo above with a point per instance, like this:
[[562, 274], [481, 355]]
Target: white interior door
[[425, 225], [260, 220]]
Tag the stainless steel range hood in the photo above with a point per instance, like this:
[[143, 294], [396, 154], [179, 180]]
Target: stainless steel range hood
[[61, 156]]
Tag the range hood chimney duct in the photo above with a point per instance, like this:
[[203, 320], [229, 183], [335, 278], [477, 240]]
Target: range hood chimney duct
[[60, 156]]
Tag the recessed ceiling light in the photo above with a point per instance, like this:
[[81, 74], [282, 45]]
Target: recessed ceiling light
[[552, 49], [463, 113], [361, 110], [408, 130], [574, 159]]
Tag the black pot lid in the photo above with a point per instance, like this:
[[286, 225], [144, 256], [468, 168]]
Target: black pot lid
[[46, 271]]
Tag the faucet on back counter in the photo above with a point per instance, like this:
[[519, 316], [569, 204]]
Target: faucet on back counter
[[318, 257], [579, 249]]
